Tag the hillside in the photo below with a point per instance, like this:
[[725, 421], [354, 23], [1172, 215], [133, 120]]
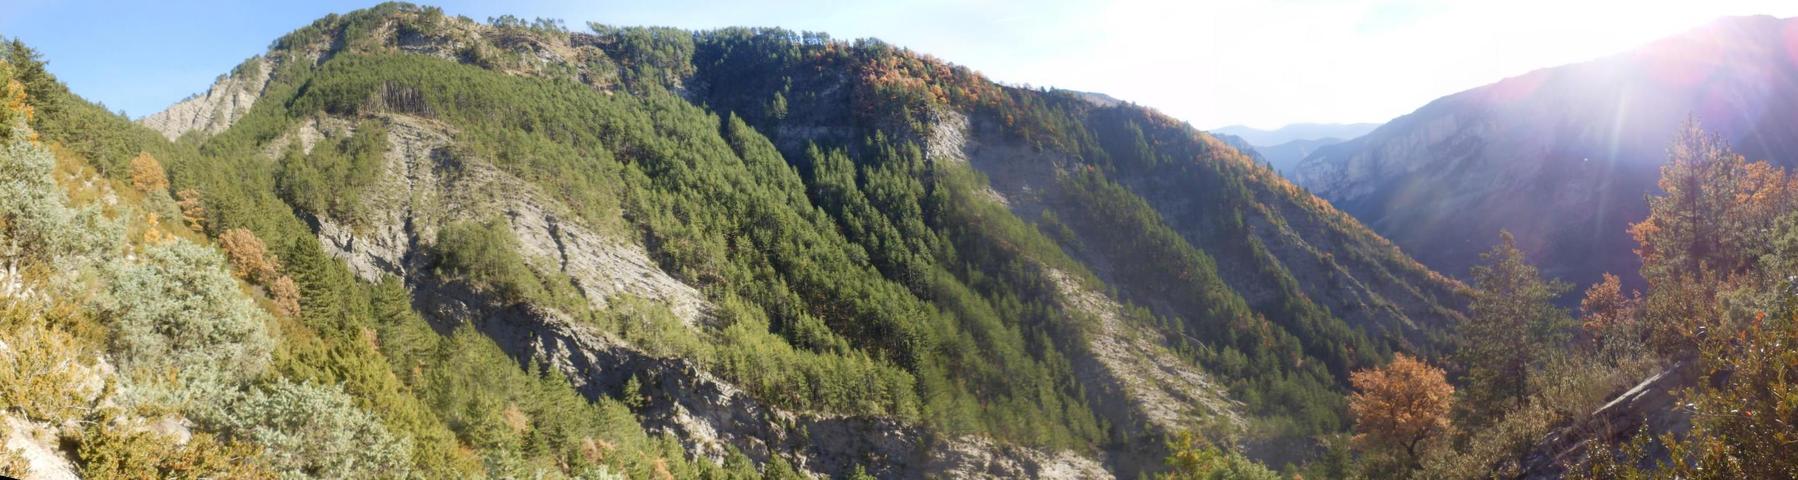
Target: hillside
[[1286, 157], [1563, 157], [518, 250]]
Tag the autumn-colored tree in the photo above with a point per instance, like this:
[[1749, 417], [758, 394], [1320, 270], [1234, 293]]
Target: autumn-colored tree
[[286, 296], [1512, 326], [193, 212], [249, 256], [1718, 249], [1606, 308], [14, 110], [1709, 226], [1401, 407], [153, 234], [1714, 209], [147, 175]]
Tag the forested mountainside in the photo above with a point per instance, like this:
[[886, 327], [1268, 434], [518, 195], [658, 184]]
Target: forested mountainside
[[509, 249], [1562, 157], [1283, 148]]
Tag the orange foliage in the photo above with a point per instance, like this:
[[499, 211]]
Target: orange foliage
[[1400, 406], [1707, 230], [146, 174], [192, 211], [286, 296], [1714, 204], [249, 257], [1605, 306]]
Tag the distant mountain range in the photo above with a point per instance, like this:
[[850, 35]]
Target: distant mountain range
[[1562, 157], [1282, 148], [1297, 131]]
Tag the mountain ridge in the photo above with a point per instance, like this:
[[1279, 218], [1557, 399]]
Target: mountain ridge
[[1581, 141], [670, 253], [1297, 131]]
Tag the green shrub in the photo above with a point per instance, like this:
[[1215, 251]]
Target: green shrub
[[486, 254], [36, 222], [119, 450], [177, 312], [313, 431]]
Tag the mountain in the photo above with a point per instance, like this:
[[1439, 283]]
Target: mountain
[[1285, 157], [1563, 157], [1296, 132], [1240, 145], [509, 249]]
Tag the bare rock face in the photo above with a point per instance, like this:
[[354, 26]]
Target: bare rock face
[[36, 445], [1131, 378], [1651, 406], [214, 111], [424, 187], [709, 415]]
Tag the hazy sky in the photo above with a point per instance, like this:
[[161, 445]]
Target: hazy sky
[[1213, 63]]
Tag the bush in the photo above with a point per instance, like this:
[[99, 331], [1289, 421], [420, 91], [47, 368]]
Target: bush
[[119, 450], [286, 296], [35, 219], [177, 311], [486, 254], [313, 431], [193, 209], [44, 374], [1194, 458]]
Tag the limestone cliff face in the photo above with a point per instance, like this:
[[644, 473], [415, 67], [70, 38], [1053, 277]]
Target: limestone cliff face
[[214, 111]]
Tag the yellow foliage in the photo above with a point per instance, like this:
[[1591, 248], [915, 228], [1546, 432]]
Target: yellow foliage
[[1400, 406], [147, 174], [116, 449], [193, 212], [153, 234], [45, 373]]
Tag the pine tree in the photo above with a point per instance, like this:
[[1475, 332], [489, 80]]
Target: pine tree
[[1512, 326], [1706, 230]]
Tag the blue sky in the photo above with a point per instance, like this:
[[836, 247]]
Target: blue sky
[[1213, 63]]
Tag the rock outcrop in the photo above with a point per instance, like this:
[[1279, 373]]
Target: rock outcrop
[[208, 113], [1651, 406]]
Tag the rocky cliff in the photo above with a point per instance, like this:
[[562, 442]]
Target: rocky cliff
[[208, 113]]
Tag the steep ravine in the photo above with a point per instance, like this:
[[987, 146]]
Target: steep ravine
[[423, 183]]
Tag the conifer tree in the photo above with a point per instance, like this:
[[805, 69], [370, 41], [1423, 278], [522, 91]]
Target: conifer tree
[[1513, 325]]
